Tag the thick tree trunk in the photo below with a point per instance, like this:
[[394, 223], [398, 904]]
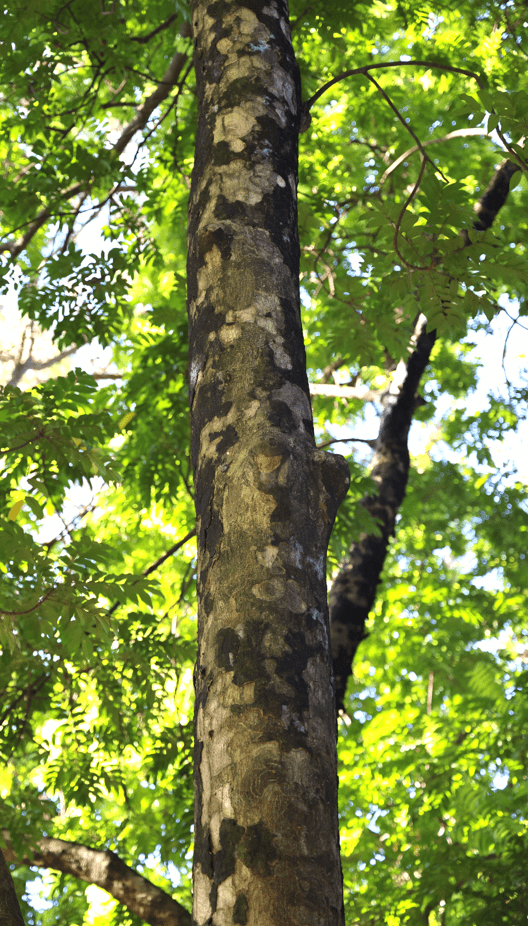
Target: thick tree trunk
[[266, 833]]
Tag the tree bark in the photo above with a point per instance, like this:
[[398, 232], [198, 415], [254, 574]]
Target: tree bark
[[266, 832], [10, 914], [106, 870]]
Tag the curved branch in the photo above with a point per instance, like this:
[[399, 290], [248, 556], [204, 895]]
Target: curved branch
[[106, 870], [387, 64], [405, 124], [458, 133]]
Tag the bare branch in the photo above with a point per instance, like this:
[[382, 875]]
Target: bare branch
[[346, 392], [106, 870], [405, 124], [30, 364], [354, 589]]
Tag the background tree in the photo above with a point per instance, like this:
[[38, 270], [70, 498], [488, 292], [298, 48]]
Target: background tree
[[98, 116]]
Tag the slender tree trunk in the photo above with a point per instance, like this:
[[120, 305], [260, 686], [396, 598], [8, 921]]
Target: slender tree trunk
[[353, 592], [266, 833]]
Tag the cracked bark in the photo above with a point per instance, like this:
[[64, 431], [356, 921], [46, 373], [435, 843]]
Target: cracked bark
[[354, 589], [266, 834], [106, 870]]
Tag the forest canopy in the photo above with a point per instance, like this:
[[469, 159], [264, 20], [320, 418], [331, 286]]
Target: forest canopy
[[411, 205]]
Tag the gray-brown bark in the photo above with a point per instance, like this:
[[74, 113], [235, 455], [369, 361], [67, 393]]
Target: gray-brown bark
[[266, 834], [106, 870], [354, 589], [10, 914]]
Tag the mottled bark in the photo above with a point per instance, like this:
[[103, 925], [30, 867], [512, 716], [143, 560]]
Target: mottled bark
[[10, 914], [106, 870], [266, 833], [354, 589]]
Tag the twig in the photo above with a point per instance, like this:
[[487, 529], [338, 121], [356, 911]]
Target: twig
[[142, 39], [346, 440], [402, 120], [159, 562], [458, 133], [143, 113]]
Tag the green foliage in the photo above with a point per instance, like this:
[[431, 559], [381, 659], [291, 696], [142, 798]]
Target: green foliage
[[95, 672]]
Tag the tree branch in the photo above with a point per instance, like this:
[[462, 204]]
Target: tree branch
[[140, 119], [142, 39], [354, 589], [346, 392], [159, 562], [106, 870], [387, 64], [458, 133], [146, 109]]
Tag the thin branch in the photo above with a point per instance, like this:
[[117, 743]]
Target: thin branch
[[21, 369], [397, 227], [29, 610], [158, 563], [142, 39], [405, 124], [143, 113], [458, 133], [346, 440], [388, 64], [346, 392], [146, 109]]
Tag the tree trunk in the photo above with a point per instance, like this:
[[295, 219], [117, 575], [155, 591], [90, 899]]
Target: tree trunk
[[353, 592], [10, 914], [266, 832]]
